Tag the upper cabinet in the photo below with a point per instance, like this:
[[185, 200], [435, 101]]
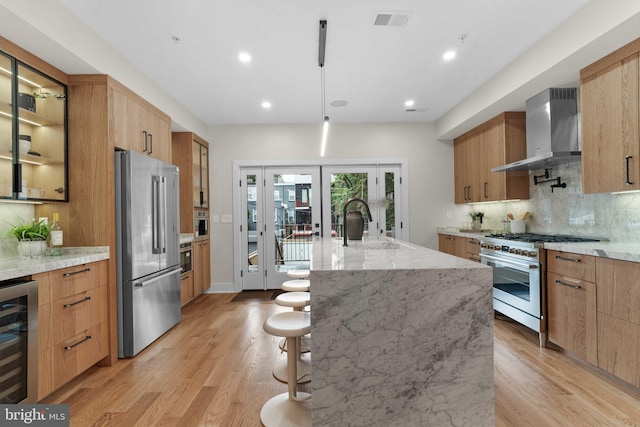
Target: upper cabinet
[[139, 126], [33, 130], [496, 142], [191, 155], [609, 94]]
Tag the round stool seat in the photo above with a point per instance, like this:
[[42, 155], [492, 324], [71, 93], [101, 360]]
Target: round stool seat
[[294, 299], [288, 324], [296, 285], [298, 274]]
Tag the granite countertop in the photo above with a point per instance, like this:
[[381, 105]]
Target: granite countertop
[[13, 267], [384, 254], [624, 251]]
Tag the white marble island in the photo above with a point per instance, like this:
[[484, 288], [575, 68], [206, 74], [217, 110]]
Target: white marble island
[[401, 336]]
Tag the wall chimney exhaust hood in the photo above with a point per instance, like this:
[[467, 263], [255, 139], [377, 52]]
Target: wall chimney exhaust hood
[[552, 131]]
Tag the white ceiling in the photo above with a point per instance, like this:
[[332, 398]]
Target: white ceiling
[[374, 69]]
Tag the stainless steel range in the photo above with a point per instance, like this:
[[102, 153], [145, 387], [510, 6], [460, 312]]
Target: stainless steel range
[[518, 262]]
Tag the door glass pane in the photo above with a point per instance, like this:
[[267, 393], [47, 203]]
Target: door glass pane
[[195, 155], [6, 147], [390, 204], [42, 135], [252, 232], [204, 164], [345, 186], [292, 220]]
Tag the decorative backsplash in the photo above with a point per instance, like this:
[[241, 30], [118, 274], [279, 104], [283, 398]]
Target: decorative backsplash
[[615, 217], [12, 214]]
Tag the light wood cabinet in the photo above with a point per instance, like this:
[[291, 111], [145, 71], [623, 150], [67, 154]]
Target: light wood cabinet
[[571, 304], [73, 323], [138, 126], [609, 103], [191, 155], [496, 142], [201, 266], [186, 288], [463, 247], [618, 306]]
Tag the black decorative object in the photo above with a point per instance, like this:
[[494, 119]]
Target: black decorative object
[[26, 101]]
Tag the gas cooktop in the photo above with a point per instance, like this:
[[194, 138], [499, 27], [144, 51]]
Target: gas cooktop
[[540, 238]]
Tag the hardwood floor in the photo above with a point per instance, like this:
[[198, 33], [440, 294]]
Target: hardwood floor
[[214, 369]]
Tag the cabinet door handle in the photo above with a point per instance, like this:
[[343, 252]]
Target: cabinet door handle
[[450, 238], [560, 282], [85, 270], [201, 198], [568, 259], [470, 198], [150, 143], [70, 347], [144, 140], [486, 190], [77, 302], [628, 158]]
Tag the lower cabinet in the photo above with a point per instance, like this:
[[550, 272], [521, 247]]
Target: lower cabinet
[[594, 311], [571, 304], [619, 318], [201, 266], [73, 332], [186, 288], [463, 247]]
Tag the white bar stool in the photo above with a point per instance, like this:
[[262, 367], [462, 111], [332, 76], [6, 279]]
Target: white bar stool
[[296, 285], [298, 274], [292, 408], [297, 301]]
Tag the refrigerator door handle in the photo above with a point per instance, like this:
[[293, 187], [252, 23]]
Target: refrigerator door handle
[[155, 214], [162, 232], [151, 281]]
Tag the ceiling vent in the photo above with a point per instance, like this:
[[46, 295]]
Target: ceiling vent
[[397, 19]]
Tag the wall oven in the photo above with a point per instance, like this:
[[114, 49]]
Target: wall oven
[[186, 251], [18, 341], [201, 225]]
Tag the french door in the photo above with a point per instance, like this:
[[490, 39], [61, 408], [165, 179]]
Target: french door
[[378, 185], [280, 221]]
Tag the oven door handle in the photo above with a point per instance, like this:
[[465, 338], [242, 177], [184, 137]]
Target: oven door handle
[[521, 264]]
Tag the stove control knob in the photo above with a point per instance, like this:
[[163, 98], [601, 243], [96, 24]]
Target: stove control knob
[[518, 252], [489, 246], [532, 254], [512, 251], [483, 245]]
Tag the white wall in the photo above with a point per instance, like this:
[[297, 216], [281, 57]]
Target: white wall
[[430, 165]]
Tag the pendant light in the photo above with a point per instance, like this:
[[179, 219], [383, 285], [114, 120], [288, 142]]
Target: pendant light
[[322, 44]]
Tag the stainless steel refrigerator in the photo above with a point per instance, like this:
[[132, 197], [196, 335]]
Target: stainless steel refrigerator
[[148, 239]]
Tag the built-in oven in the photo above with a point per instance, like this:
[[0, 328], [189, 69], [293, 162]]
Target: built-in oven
[[201, 225], [18, 341], [186, 251], [518, 283]]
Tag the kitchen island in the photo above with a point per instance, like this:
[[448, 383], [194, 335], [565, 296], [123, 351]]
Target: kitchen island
[[401, 336]]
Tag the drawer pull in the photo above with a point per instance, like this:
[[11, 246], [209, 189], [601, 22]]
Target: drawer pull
[[77, 272], [70, 347], [450, 238], [568, 259], [560, 282], [77, 302]]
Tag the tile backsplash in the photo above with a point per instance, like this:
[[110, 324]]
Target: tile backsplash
[[615, 217], [10, 215]]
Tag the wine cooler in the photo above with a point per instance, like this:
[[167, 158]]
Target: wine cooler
[[18, 342]]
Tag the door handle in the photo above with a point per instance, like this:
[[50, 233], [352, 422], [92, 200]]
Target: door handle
[[77, 302], [628, 182], [144, 141]]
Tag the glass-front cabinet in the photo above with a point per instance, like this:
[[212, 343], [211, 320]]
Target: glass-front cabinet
[[200, 158], [33, 133]]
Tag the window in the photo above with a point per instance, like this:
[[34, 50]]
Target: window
[[251, 193], [276, 194], [253, 215], [292, 195]]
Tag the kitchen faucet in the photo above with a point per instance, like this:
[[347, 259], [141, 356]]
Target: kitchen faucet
[[344, 215]]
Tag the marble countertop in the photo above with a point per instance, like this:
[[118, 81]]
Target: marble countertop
[[186, 237], [383, 254], [13, 267], [616, 250]]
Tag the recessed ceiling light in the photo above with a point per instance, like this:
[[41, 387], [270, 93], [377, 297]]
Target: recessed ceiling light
[[266, 105], [409, 103], [339, 103], [244, 57], [449, 55]]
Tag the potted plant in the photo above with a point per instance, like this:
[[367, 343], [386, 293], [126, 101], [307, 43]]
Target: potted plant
[[476, 217], [32, 238]]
